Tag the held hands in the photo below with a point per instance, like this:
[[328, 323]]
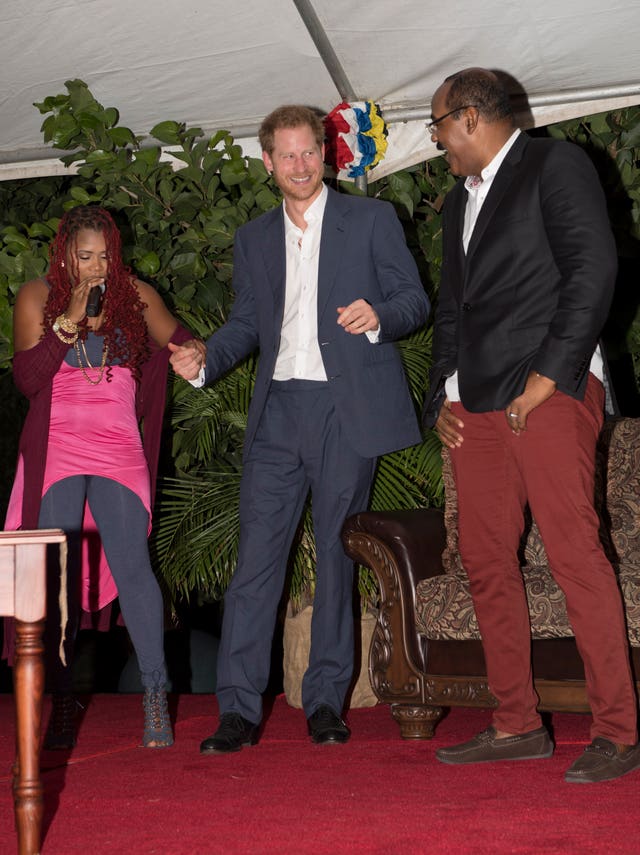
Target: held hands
[[448, 425], [537, 390], [358, 317], [187, 359]]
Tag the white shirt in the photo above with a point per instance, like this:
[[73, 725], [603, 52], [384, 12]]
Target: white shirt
[[477, 191], [299, 354]]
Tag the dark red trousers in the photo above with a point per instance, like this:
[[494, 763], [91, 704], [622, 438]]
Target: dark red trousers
[[550, 466]]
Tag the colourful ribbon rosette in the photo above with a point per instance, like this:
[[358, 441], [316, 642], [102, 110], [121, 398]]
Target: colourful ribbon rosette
[[356, 138]]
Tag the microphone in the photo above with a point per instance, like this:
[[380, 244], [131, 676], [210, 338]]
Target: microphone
[[94, 300]]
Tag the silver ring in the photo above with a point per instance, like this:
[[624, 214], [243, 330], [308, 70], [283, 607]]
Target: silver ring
[[513, 415]]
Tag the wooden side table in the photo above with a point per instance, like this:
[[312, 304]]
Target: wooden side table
[[23, 584]]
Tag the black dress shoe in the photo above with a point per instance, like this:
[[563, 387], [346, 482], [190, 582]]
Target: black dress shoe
[[327, 728], [233, 732]]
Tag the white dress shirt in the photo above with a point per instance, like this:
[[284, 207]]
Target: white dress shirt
[[299, 354]]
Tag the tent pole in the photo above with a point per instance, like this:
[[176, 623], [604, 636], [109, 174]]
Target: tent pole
[[331, 62], [361, 183]]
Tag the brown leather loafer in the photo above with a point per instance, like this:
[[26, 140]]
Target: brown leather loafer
[[487, 748], [603, 761]]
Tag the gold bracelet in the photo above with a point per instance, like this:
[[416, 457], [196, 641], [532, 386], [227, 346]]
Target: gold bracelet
[[66, 338], [66, 324], [65, 329]]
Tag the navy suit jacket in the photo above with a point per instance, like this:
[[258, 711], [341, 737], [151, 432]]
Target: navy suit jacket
[[363, 254], [535, 286]]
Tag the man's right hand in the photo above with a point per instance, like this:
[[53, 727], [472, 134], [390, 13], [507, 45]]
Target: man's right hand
[[448, 426], [187, 359]]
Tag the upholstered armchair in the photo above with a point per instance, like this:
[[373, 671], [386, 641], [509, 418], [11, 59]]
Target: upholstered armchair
[[426, 652]]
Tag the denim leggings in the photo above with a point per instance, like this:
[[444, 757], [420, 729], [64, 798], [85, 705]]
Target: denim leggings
[[122, 521]]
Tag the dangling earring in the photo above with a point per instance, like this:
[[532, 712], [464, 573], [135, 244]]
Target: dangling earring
[[62, 264]]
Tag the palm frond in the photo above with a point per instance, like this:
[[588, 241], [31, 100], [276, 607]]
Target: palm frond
[[410, 478], [195, 536], [415, 352], [207, 422]]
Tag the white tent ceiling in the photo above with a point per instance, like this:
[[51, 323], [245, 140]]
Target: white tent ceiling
[[216, 64]]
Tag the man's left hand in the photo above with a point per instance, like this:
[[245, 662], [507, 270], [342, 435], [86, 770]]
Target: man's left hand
[[358, 317], [537, 390]]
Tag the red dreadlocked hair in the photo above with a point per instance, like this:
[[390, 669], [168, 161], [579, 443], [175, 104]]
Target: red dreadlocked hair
[[123, 325]]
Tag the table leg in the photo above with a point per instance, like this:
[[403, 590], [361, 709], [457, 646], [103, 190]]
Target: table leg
[[28, 682]]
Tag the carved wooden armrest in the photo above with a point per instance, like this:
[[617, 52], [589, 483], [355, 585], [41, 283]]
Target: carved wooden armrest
[[415, 539], [401, 548]]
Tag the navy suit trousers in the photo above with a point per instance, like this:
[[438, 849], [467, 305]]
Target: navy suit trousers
[[299, 446]]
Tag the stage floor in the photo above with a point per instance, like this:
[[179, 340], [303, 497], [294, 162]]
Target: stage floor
[[377, 794]]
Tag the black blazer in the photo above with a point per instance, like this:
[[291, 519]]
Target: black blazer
[[535, 286]]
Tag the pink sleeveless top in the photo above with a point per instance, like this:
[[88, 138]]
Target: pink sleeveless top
[[93, 431]]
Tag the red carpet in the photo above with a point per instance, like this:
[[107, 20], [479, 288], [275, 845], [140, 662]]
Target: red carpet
[[378, 794]]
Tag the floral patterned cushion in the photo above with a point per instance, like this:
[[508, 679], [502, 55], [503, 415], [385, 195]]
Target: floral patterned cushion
[[444, 608], [445, 611]]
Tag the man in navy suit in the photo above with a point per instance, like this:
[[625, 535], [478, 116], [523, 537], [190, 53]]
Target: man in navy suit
[[517, 395], [324, 284]]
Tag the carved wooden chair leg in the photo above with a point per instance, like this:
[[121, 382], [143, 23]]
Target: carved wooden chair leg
[[417, 721]]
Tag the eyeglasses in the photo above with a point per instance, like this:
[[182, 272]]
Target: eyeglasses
[[432, 126]]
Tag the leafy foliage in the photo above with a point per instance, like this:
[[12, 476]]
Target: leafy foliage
[[613, 142], [178, 212]]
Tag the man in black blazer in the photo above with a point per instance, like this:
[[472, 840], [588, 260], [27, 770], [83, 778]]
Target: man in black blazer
[[517, 395], [324, 285]]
